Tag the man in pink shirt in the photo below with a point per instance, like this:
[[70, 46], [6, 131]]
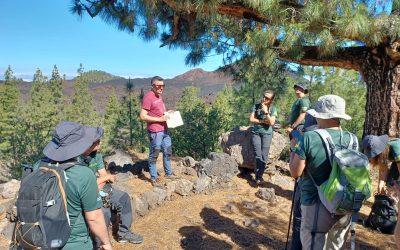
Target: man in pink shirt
[[152, 113]]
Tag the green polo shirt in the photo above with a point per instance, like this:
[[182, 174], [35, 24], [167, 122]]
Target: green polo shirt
[[259, 114], [312, 149], [301, 105]]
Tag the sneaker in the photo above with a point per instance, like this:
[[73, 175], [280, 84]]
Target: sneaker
[[131, 238], [156, 182]]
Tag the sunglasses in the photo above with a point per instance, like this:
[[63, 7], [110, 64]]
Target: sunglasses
[[159, 86], [267, 98]]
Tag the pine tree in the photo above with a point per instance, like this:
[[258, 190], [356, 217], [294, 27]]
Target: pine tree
[[358, 35], [56, 85], [10, 104], [40, 116], [81, 109], [112, 123], [221, 115], [194, 113]]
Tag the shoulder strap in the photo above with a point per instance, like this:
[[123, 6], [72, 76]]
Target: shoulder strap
[[327, 139], [353, 141], [67, 165]]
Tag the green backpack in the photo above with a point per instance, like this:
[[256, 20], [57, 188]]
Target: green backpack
[[349, 183]]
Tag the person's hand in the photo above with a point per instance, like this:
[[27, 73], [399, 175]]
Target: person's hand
[[264, 108], [111, 178], [106, 246], [381, 189], [164, 118], [289, 130]]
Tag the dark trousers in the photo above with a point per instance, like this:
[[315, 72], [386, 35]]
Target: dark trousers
[[261, 146], [121, 206]]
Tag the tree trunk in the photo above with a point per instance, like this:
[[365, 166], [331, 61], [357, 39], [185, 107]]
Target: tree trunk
[[382, 77]]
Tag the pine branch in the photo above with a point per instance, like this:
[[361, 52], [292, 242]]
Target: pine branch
[[347, 58]]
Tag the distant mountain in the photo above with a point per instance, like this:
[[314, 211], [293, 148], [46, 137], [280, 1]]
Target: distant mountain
[[98, 76], [102, 83]]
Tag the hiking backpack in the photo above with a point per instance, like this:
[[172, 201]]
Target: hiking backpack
[[42, 216], [349, 183], [383, 216]]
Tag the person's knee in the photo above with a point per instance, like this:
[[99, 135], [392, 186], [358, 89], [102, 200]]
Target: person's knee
[[169, 151], [153, 157]]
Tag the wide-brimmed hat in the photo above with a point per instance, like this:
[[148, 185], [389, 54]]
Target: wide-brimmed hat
[[70, 140], [301, 86], [374, 145], [328, 107]]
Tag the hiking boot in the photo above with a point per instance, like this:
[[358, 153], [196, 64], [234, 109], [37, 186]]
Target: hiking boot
[[131, 238], [260, 182], [156, 182]]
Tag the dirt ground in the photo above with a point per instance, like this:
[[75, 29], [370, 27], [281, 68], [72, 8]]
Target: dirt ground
[[231, 218], [220, 218]]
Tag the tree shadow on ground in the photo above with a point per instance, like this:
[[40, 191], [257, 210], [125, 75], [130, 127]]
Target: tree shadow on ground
[[243, 237], [194, 237], [245, 174]]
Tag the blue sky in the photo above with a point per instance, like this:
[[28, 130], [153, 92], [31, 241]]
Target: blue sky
[[44, 33]]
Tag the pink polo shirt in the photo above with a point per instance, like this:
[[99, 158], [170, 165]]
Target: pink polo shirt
[[155, 108]]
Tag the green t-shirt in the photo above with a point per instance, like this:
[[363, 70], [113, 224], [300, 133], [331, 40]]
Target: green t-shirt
[[299, 106], [82, 195], [394, 151], [259, 114], [96, 163], [312, 149]]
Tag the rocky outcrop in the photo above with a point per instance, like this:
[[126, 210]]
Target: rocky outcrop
[[237, 143]]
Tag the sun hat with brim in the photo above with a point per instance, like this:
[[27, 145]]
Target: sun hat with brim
[[374, 145], [329, 107], [301, 86], [70, 140]]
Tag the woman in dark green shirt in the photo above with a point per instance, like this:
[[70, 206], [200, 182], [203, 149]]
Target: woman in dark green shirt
[[263, 117]]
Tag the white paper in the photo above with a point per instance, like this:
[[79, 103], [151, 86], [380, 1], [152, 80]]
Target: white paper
[[174, 119]]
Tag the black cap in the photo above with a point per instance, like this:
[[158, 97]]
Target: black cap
[[301, 86]]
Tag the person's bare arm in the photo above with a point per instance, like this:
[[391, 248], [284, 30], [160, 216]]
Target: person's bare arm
[[296, 165], [144, 116], [97, 225], [270, 120], [299, 119], [104, 177], [255, 120]]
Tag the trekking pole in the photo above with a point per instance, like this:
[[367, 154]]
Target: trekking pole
[[291, 213]]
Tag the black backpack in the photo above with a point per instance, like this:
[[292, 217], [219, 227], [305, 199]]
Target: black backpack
[[383, 216], [42, 217]]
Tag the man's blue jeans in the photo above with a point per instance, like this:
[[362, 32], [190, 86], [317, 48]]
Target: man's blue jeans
[[160, 141]]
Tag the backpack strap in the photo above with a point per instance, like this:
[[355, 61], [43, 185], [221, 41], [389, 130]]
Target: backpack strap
[[328, 142], [353, 141]]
